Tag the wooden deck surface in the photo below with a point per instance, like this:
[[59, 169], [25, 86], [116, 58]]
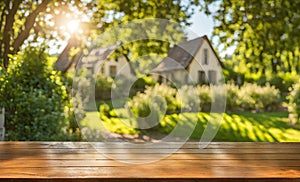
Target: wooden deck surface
[[68, 161]]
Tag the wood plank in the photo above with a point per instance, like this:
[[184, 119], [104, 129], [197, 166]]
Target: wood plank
[[142, 171], [165, 162], [80, 161], [276, 156], [192, 145], [4, 151]]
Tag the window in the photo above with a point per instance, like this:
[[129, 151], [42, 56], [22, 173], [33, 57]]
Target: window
[[112, 70], [201, 77], [212, 76], [160, 79], [102, 69], [205, 56]]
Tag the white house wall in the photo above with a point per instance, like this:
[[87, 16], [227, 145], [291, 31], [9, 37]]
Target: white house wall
[[213, 63], [177, 76], [121, 66]]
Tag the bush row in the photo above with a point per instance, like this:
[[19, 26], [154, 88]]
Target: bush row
[[249, 97], [104, 85], [294, 104], [282, 81], [252, 97]]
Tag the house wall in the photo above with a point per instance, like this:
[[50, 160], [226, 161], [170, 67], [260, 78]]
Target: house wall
[[198, 63], [121, 66], [193, 69], [175, 76]]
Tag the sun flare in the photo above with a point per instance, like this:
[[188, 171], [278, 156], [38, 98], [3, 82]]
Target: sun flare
[[73, 26]]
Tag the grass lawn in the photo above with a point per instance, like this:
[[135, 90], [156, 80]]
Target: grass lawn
[[115, 125], [264, 127]]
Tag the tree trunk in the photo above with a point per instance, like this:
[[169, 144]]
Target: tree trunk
[[261, 60], [289, 63]]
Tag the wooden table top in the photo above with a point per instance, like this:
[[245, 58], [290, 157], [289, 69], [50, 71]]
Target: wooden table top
[[69, 161]]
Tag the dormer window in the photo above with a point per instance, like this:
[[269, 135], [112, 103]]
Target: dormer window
[[205, 56]]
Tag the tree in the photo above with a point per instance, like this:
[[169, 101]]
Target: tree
[[24, 23], [263, 33], [113, 13], [35, 22], [34, 99]]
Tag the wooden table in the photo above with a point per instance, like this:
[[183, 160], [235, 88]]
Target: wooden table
[[68, 161]]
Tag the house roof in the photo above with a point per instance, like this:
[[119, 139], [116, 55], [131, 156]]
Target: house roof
[[181, 55], [102, 53], [98, 56]]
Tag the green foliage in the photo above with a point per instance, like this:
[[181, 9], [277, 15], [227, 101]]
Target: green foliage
[[44, 21], [103, 87], [47, 21], [294, 104], [189, 98], [252, 97], [79, 97], [249, 97], [140, 104], [205, 97], [150, 106], [140, 85], [264, 34], [104, 110], [34, 98], [167, 93], [232, 97], [282, 81], [138, 51]]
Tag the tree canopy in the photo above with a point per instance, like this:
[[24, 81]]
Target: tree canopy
[[264, 34], [37, 22]]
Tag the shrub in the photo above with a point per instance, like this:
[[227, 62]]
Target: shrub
[[144, 111], [140, 85], [294, 104], [104, 110], [34, 98], [232, 96], [249, 97], [283, 81], [189, 98], [149, 107], [259, 98], [103, 86], [205, 97], [168, 94]]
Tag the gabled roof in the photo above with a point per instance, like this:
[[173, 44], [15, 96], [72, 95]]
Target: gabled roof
[[99, 56], [102, 53], [181, 55]]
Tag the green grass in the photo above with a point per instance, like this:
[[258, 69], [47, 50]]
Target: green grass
[[244, 127], [115, 125]]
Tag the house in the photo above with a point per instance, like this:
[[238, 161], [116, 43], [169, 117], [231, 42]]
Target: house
[[97, 62], [190, 62]]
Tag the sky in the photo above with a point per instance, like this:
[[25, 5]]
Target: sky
[[201, 25]]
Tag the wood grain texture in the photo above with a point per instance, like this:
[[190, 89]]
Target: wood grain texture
[[80, 161]]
